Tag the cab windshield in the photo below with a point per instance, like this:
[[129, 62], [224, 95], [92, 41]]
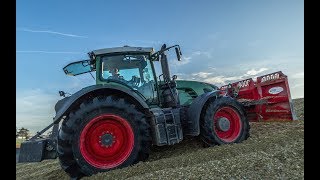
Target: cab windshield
[[131, 69]]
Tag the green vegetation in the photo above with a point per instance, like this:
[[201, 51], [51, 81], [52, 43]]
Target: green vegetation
[[18, 142]]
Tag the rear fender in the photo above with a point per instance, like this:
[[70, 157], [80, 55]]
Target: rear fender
[[194, 112], [65, 105]]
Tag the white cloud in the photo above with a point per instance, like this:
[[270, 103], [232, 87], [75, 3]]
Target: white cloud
[[222, 80], [51, 32], [274, 62], [200, 53], [202, 74], [35, 109], [185, 60], [203, 69], [296, 89], [297, 85], [217, 80], [253, 72], [197, 53], [298, 75]]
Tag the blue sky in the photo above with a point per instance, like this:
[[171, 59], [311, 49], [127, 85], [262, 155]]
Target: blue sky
[[221, 42]]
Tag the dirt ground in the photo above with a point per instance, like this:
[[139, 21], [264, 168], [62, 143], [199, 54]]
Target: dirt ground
[[275, 150]]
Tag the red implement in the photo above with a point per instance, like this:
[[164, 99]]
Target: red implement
[[267, 99]]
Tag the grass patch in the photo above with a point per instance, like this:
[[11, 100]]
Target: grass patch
[[18, 142]]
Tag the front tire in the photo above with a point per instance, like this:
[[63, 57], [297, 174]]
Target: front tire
[[104, 134], [223, 121]]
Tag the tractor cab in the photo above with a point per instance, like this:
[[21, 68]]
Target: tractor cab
[[131, 61], [131, 70], [129, 67]]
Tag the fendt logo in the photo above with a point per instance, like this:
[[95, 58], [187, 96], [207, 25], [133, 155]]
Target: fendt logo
[[270, 77], [243, 83]]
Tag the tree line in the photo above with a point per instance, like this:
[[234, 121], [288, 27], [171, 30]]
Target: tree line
[[22, 132]]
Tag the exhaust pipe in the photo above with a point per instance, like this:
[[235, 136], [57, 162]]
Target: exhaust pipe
[[164, 64]]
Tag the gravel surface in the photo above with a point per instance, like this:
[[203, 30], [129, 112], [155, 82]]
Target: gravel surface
[[275, 150]]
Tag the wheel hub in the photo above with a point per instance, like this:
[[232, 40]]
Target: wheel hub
[[223, 124], [107, 139]]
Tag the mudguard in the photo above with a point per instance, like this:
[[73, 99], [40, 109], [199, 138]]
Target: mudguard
[[64, 105], [194, 112]]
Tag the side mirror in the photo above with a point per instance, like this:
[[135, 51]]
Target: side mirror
[[62, 93], [178, 53], [174, 77]]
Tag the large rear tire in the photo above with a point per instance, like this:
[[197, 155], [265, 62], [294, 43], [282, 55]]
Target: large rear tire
[[223, 121], [103, 134]]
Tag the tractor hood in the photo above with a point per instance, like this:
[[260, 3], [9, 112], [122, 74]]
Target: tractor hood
[[196, 86], [189, 90]]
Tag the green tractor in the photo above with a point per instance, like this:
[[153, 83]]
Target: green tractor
[[114, 123]]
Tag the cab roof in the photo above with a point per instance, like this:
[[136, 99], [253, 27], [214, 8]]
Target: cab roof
[[123, 49]]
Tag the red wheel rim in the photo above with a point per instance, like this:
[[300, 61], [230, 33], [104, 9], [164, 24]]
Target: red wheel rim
[[106, 128], [232, 131]]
